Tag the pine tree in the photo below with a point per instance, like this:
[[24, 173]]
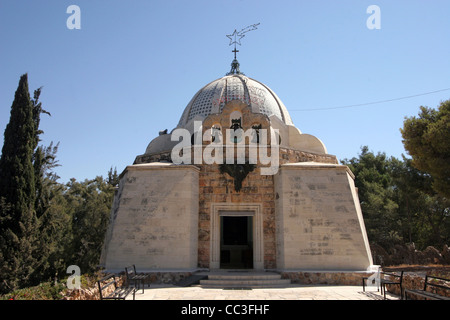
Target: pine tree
[[426, 139], [17, 189]]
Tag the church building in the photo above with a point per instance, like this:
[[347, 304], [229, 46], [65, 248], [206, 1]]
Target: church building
[[236, 185]]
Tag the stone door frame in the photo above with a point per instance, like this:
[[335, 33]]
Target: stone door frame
[[237, 210]]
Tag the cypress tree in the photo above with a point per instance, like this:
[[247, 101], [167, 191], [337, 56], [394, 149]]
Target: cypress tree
[[18, 220]]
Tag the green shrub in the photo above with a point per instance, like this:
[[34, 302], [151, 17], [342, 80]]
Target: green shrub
[[50, 290], [43, 291]]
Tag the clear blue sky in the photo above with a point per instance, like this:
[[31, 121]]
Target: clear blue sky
[[132, 68]]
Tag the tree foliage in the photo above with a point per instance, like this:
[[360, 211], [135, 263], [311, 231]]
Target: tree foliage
[[426, 138], [398, 202], [376, 195], [18, 222], [90, 204], [45, 226]]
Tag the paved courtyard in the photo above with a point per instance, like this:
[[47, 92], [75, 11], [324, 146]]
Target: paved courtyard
[[292, 292]]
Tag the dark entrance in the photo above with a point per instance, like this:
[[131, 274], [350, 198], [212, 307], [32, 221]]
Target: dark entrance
[[236, 242]]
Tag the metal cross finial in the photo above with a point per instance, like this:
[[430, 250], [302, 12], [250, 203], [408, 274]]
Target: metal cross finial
[[235, 38], [235, 52]]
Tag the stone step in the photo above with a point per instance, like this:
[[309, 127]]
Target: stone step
[[243, 283], [244, 280], [244, 276]]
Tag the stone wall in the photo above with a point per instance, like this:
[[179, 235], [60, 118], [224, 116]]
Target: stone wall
[[154, 219], [319, 221], [215, 187], [407, 254], [287, 155], [291, 156], [415, 281], [92, 293], [326, 278]]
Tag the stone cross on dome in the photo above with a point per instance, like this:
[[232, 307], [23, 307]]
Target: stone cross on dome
[[235, 38]]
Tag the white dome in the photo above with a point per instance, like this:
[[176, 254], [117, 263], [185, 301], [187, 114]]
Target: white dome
[[212, 97]]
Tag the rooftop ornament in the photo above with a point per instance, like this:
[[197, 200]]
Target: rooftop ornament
[[235, 38]]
